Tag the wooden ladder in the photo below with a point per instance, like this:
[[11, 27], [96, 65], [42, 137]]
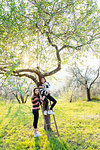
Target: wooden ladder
[[48, 135]]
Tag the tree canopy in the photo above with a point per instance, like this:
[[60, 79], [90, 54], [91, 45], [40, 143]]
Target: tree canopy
[[43, 32]]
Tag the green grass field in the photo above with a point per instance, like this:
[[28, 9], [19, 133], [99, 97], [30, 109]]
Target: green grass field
[[78, 125]]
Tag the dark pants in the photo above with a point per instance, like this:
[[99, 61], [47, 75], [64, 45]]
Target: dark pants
[[51, 99], [46, 103], [36, 117]]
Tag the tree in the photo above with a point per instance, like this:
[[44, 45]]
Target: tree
[[44, 31], [85, 77], [17, 87], [20, 89]]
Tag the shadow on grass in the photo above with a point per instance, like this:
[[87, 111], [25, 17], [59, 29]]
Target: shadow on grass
[[37, 143], [3, 133], [9, 110], [56, 143], [95, 100]]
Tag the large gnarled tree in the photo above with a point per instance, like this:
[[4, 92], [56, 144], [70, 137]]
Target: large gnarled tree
[[44, 31]]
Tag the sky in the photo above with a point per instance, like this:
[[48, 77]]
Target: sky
[[62, 75], [98, 1]]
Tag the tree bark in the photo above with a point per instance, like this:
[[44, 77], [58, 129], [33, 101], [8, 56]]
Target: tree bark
[[17, 98], [71, 99], [22, 98], [26, 98], [88, 94], [47, 118]]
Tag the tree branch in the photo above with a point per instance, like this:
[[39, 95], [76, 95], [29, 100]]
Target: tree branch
[[74, 47], [95, 77], [28, 88], [27, 70], [28, 76], [58, 58], [1, 72], [75, 74], [3, 69]]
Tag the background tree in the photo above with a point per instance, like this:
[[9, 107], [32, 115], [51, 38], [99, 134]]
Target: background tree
[[85, 77], [19, 88]]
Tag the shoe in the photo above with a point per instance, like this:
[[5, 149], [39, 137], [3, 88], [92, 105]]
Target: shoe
[[50, 112], [36, 134], [45, 112]]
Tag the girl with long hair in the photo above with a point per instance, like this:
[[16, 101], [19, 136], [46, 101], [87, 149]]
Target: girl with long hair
[[36, 102]]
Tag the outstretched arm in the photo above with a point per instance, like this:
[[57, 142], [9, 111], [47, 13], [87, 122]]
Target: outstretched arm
[[41, 87]]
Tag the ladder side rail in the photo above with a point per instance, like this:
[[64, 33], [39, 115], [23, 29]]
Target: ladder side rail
[[45, 123], [55, 122], [56, 125]]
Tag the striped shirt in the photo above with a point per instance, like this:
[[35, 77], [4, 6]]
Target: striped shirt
[[36, 102], [46, 86], [43, 92]]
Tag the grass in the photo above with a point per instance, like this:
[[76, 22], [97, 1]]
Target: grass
[[78, 125]]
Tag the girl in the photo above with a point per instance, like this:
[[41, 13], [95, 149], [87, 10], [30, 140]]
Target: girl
[[44, 93], [35, 110], [46, 86]]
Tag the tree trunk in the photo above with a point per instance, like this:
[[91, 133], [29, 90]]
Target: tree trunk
[[71, 99], [22, 98], [26, 98], [47, 118], [18, 99], [88, 94]]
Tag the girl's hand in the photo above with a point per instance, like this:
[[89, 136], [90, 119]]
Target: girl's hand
[[40, 97], [48, 92], [43, 98], [41, 87]]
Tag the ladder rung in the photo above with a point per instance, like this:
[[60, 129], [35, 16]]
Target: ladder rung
[[53, 133], [50, 114], [50, 123]]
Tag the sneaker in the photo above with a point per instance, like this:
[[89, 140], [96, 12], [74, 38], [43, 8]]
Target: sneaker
[[50, 112], [36, 134], [45, 112]]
